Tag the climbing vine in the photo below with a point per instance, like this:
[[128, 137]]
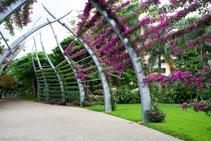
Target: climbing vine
[[20, 17], [145, 33]]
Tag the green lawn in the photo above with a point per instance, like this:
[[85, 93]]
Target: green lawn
[[187, 125]]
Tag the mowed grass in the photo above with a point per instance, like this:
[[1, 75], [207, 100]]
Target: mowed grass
[[188, 125]]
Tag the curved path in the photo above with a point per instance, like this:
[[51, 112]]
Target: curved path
[[31, 121]]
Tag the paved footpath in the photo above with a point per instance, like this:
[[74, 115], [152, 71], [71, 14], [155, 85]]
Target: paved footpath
[[30, 121]]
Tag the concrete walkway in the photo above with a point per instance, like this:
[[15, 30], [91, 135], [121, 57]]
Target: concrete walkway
[[31, 121]]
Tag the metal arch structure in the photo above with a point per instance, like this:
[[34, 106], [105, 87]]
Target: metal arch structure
[[36, 75], [10, 9], [25, 36], [106, 90], [43, 75], [54, 69], [9, 51], [51, 90], [80, 86], [143, 88]]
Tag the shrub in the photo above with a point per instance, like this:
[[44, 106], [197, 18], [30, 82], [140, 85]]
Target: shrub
[[72, 98], [173, 93], [113, 103], [155, 115], [93, 99], [125, 95], [202, 107]]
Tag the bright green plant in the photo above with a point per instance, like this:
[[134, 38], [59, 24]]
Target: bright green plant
[[124, 94]]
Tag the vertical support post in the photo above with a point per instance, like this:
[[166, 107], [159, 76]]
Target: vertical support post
[[107, 95], [80, 86], [56, 72], [38, 84], [143, 88], [43, 75], [35, 71], [106, 90], [4, 40]]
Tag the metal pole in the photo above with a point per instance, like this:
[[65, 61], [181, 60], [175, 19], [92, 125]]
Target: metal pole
[[35, 71], [107, 95], [81, 88], [43, 75], [4, 40], [56, 72], [26, 35], [143, 88]]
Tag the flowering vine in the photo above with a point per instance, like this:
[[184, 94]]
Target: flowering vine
[[20, 17]]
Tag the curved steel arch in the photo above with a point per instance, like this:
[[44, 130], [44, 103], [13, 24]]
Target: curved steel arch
[[10, 9], [106, 90], [35, 71], [43, 75], [89, 50], [26, 35], [143, 88], [81, 88], [54, 69]]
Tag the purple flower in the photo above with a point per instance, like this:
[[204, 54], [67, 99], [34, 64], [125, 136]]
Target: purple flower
[[206, 68], [173, 1], [102, 2], [109, 45], [69, 49], [145, 21], [87, 9]]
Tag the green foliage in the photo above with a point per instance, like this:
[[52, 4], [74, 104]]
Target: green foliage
[[124, 89], [8, 2], [113, 103], [128, 77], [73, 98], [173, 93], [93, 99], [207, 110], [22, 70], [56, 57], [180, 92], [29, 97], [193, 60], [206, 95], [190, 61], [124, 94]]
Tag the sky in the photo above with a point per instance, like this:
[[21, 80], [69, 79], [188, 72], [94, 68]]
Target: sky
[[59, 8]]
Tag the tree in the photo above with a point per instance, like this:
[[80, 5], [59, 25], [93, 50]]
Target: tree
[[22, 70]]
